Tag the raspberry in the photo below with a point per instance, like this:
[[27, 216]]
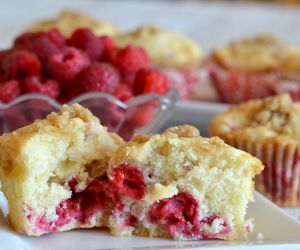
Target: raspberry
[[3, 54], [127, 180], [23, 41], [108, 45], [53, 35], [142, 116], [34, 85], [9, 91], [178, 214], [92, 200], [149, 80], [19, 64], [123, 92], [56, 37], [66, 65], [43, 48], [101, 77], [129, 60], [85, 40]]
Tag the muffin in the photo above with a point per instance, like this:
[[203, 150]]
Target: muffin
[[178, 55], [182, 186], [268, 129], [254, 68], [53, 172], [69, 20]]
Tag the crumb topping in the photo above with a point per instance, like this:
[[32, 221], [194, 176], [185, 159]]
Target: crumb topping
[[258, 54], [272, 117]]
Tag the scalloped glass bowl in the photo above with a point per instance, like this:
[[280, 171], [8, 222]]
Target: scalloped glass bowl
[[142, 114]]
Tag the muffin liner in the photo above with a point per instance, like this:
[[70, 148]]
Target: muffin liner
[[280, 180], [235, 87]]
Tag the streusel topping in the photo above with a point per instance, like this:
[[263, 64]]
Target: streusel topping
[[272, 117], [257, 54]]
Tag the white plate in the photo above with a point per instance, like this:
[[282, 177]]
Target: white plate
[[279, 231], [208, 24]]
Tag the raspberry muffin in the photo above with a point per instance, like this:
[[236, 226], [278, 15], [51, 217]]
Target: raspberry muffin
[[178, 55], [53, 172], [254, 68], [268, 129], [182, 186], [69, 20]]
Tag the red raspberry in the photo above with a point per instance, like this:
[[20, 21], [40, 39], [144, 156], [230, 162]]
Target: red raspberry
[[23, 41], [100, 77], [150, 80], [129, 60], [53, 35], [178, 214], [56, 37], [66, 65], [3, 54], [9, 91], [20, 64], [123, 92], [85, 40], [49, 87], [142, 116], [108, 45], [43, 48], [129, 181]]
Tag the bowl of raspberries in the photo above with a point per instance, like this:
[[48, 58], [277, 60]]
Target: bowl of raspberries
[[44, 70]]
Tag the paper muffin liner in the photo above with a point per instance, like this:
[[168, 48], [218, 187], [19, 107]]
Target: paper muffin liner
[[280, 180], [237, 87]]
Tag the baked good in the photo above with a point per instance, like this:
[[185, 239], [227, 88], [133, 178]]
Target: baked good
[[268, 129], [69, 20], [254, 68], [182, 186], [176, 54], [165, 48], [53, 172]]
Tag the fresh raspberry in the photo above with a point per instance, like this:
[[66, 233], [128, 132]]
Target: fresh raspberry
[[66, 65], [108, 45], [23, 41], [178, 214], [149, 80], [129, 60], [43, 48], [142, 116], [9, 91], [56, 37], [100, 77], [3, 54], [85, 40], [19, 64], [123, 92], [71, 91], [127, 180], [49, 87]]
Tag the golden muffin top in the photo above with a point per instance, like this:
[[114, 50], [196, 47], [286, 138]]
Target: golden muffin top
[[256, 54], [273, 118]]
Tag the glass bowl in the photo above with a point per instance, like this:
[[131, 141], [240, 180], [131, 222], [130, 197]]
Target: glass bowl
[[142, 114]]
